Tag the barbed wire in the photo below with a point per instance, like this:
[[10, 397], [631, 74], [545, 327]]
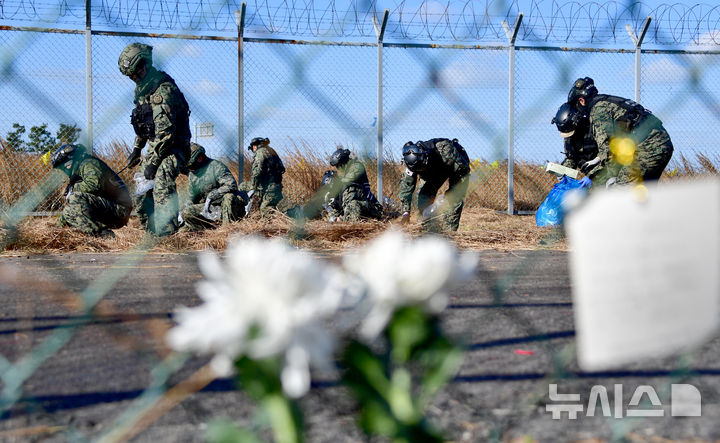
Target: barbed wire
[[467, 20]]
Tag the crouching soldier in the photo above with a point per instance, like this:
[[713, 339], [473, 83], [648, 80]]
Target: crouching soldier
[[266, 176], [350, 191], [212, 193], [434, 162], [96, 198]]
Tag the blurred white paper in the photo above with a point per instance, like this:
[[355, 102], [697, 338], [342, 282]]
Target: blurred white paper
[[645, 269]]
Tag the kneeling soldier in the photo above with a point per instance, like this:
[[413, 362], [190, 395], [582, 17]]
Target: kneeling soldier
[[353, 198], [212, 193], [96, 199]]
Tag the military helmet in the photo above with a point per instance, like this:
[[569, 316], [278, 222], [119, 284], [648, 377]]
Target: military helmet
[[583, 87], [258, 141], [65, 155], [195, 152], [568, 119], [339, 157], [328, 177], [415, 157], [133, 57]]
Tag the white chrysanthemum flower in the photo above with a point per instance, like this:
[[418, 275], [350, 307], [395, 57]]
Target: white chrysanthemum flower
[[399, 272], [265, 299]]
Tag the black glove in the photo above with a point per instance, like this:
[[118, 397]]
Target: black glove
[[588, 165], [150, 171], [134, 158]]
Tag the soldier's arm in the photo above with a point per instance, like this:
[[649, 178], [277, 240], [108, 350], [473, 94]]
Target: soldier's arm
[[568, 162], [164, 103], [603, 117], [90, 179], [407, 187], [257, 168], [225, 180]]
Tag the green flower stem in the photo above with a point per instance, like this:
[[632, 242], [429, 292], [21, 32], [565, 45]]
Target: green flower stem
[[283, 415]]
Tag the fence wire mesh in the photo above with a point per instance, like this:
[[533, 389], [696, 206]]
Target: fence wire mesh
[[308, 98]]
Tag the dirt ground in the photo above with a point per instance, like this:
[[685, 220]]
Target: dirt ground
[[90, 375], [480, 228]]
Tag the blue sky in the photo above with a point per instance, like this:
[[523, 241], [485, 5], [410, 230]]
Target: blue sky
[[321, 96]]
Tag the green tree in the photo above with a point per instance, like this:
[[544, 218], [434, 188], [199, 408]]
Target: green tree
[[68, 134], [15, 137], [40, 139]]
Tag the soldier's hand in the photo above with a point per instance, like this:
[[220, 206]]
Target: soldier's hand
[[150, 171], [588, 165], [213, 196], [405, 218], [134, 158]]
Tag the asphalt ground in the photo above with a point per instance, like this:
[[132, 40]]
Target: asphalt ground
[[515, 319]]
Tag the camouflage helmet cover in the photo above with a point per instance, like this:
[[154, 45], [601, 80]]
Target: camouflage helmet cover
[[132, 56], [195, 152]]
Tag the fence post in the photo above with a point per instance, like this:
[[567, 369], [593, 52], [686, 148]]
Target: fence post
[[89, 76], [380, 32], [511, 36], [637, 40], [240, 20]]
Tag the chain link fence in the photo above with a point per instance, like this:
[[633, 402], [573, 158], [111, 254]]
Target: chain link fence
[[312, 96]]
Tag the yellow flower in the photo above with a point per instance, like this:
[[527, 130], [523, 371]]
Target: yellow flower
[[623, 149]]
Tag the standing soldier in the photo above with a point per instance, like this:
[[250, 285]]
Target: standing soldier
[[266, 176], [435, 161], [160, 119], [96, 199], [351, 189], [211, 189], [632, 143]]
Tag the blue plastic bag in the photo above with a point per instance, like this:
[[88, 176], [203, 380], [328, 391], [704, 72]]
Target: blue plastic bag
[[550, 212]]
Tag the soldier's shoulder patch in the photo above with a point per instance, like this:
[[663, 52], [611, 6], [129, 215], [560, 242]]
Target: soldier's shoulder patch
[[157, 98], [409, 172]]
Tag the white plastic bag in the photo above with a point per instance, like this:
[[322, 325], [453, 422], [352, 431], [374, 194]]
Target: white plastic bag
[[142, 185]]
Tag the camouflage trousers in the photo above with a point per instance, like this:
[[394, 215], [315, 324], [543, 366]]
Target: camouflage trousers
[[652, 155], [231, 209], [449, 218], [157, 209], [92, 214], [355, 207], [267, 199]]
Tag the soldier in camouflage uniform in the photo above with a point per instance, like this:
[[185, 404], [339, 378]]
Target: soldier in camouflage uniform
[[96, 198], [435, 161], [266, 176], [210, 179], [352, 199], [580, 145], [632, 143], [160, 120]]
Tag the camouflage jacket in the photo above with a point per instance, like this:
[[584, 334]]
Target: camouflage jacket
[[171, 134], [612, 116], [267, 168], [93, 176], [445, 160], [213, 177]]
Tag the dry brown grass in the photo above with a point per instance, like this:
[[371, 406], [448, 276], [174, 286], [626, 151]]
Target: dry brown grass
[[480, 228], [481, 225]]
